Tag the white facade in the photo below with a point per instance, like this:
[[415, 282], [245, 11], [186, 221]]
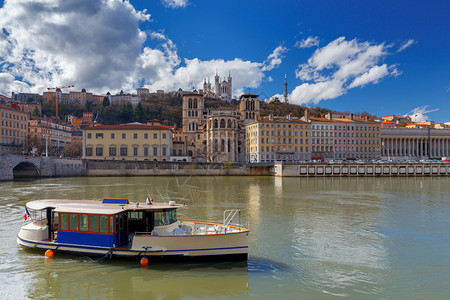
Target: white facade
[[415, 143]]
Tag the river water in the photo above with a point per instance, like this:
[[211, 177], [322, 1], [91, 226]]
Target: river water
[[315, 238]]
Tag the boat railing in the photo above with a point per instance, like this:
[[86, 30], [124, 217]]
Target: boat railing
[[198, 227], [229, 215]]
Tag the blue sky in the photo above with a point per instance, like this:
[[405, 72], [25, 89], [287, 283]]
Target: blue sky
[[383, 57]]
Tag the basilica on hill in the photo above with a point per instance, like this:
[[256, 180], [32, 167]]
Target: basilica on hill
[[222, 90]]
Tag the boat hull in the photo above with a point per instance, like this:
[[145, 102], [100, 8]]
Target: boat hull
[[218, 247]]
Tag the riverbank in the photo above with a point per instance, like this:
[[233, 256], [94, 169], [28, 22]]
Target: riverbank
[[15, 166]]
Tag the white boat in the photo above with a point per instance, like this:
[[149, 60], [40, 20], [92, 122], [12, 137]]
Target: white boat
[[118, 228]]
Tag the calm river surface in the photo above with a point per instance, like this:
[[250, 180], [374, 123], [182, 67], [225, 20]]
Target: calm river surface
[[315, 238]]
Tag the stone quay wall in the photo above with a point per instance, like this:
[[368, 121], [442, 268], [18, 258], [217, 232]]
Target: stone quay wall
[[157, 168], [364, 170], [65, 167]]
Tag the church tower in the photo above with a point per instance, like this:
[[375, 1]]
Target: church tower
[[230, 87], [249, 108], [217, 85], [193, 106]]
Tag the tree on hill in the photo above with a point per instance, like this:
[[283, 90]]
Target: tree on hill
[[105, 101]]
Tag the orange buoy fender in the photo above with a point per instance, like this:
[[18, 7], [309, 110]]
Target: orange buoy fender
[[144, 261], [49, 253]]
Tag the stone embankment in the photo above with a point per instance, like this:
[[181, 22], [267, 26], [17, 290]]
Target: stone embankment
[[365, 169], [19, 166], [156, 168]]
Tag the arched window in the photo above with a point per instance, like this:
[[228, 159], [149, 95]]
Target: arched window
[[190, 103], [222, 146], [195, 103], [222, 123], [229, 124], [216, 124], [189, 113], [229, 146]]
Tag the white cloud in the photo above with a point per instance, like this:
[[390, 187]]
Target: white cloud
[[276, 97], [316, 92], [371, 76], [89, 43], [97, 45], [175, 3], [339, 66], [274, 59], [311, 41], [406, 45]]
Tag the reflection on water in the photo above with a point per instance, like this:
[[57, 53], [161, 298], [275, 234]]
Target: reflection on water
[[314, 237], [84, 279]]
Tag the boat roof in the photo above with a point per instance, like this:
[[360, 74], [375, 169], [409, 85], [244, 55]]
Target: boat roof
[[97, 207]]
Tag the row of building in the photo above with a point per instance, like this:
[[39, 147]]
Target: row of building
[[82, 97], [240, 135], [234, 134]]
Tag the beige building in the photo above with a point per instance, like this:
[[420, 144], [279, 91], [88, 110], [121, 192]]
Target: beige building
[[322, 137], [277, 139], [127, 142], [48, 137], [13, 130]]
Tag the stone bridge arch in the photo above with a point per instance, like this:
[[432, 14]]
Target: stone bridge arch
[[25, 169]]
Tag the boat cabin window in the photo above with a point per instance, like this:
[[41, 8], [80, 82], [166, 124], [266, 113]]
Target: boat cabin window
[[84, 223], [111, 224], [88, 223], [73, 222], [104, 224], [64, 222], [165, 217], [135, 215], [55, 221], [93, 223]]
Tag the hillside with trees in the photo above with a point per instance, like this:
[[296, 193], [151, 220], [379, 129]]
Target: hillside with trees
[[168, 110]]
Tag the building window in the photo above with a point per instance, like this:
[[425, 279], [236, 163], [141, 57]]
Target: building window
[[112, 151], [124, 135], [155, 135], [145, 135], [135, 136], [88, 151], [163, 135], [99, 135], [123, 151], [164, 151], [155, 151], [99, 151], [135, 151], [145, 151], [89, 135], [113, 136]]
